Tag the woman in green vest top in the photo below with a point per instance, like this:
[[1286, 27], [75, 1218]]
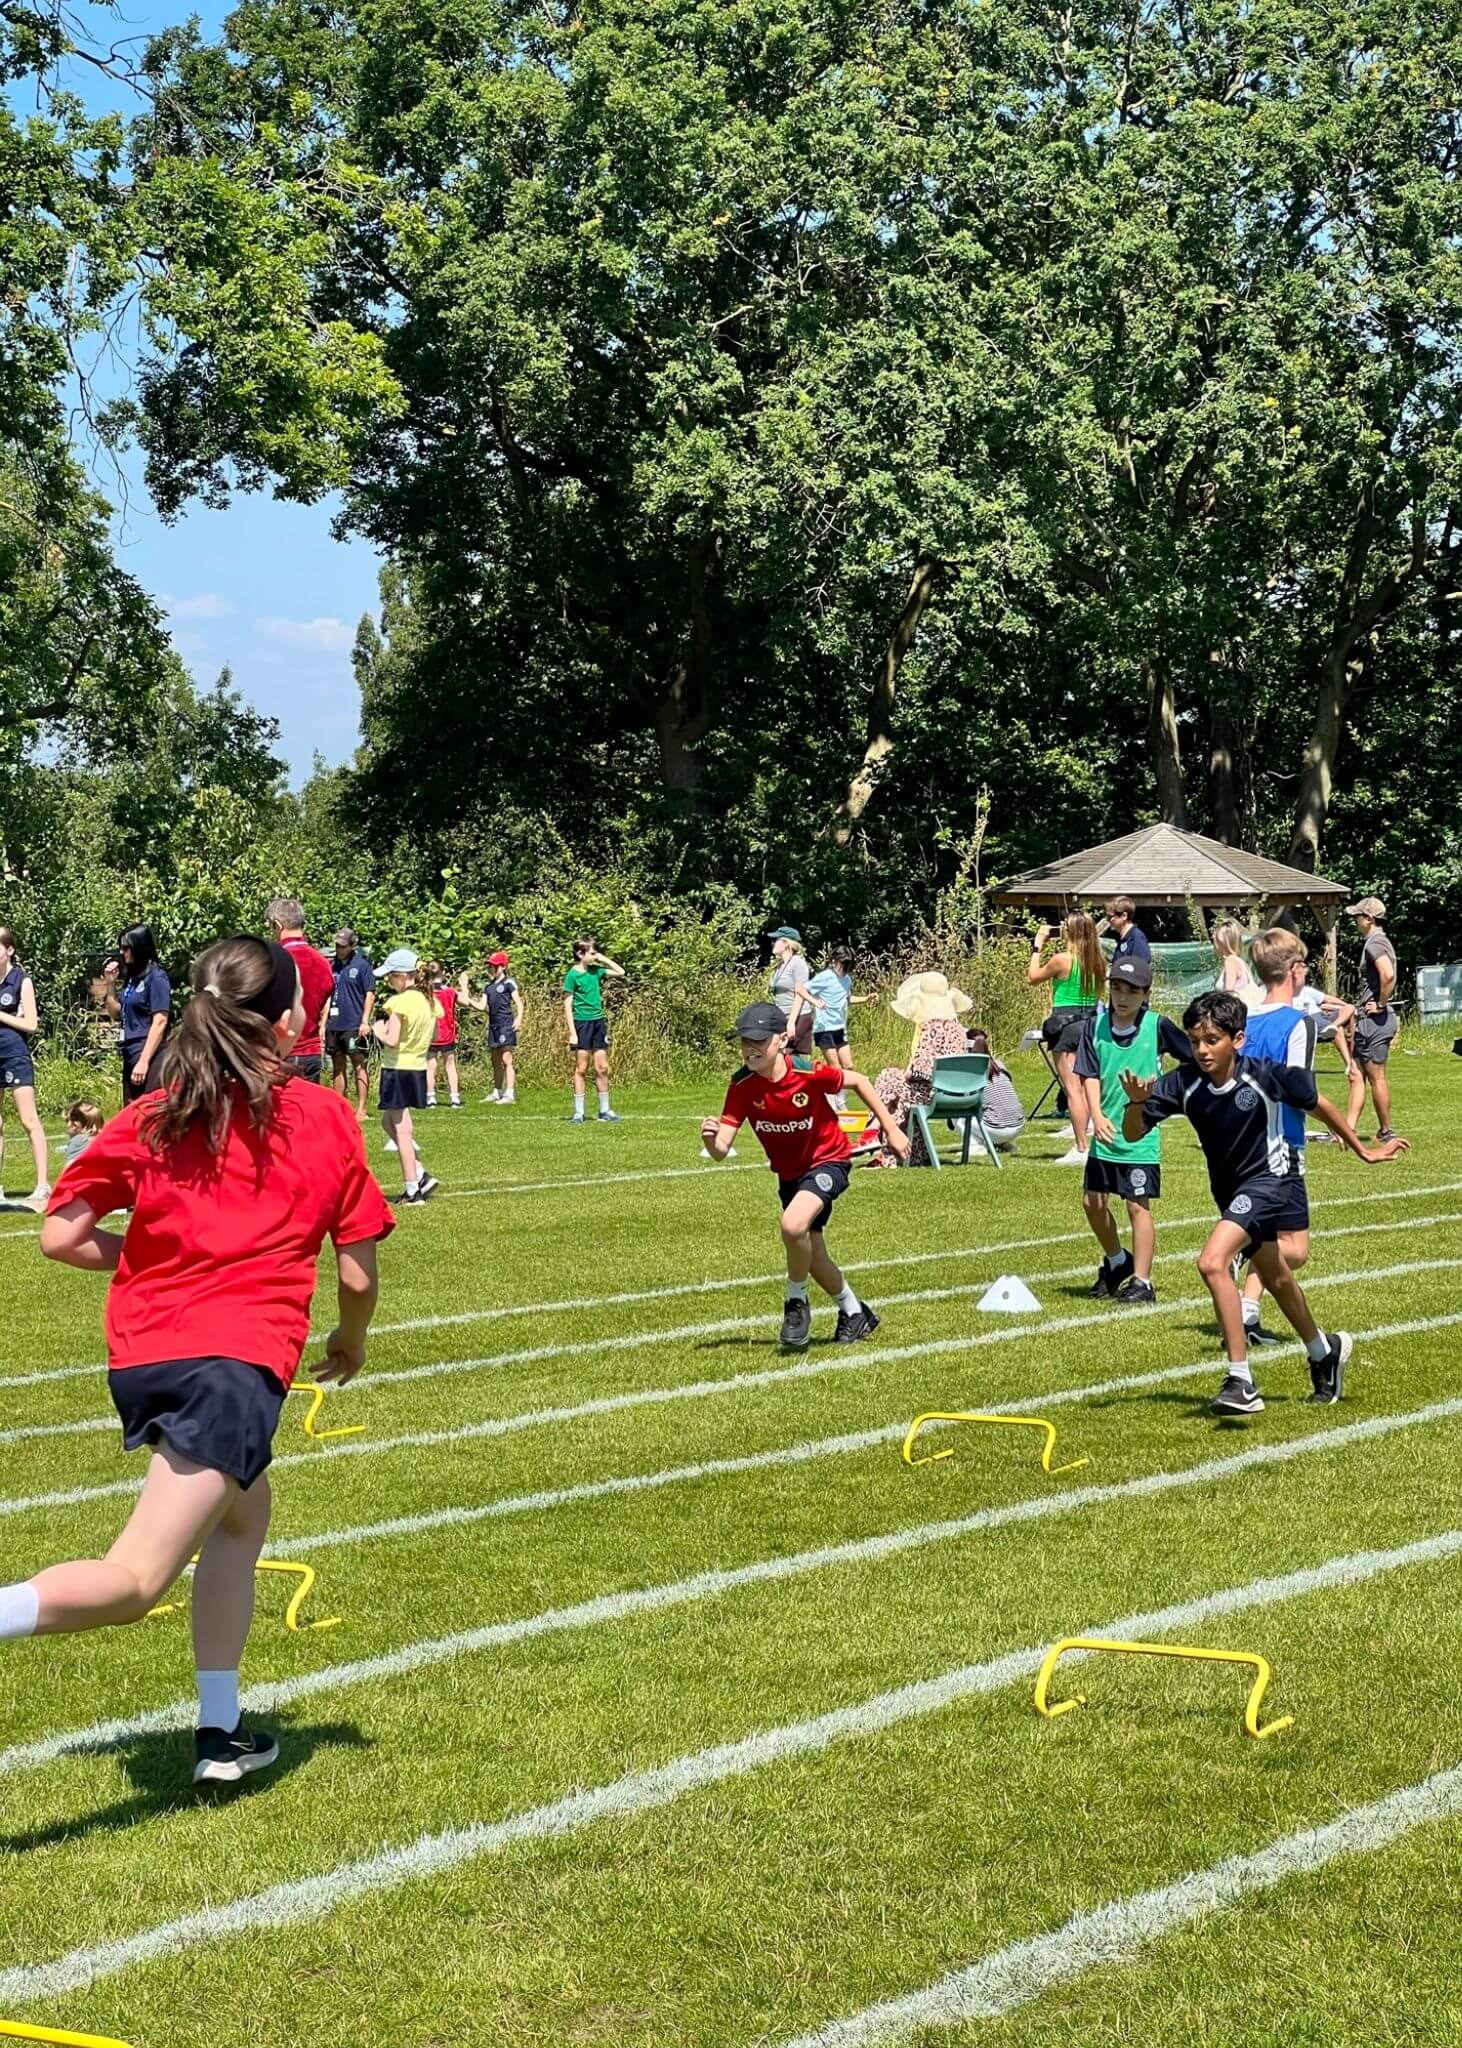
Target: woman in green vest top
[[1078, 977]]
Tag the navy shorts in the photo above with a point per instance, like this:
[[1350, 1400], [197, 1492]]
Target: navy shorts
[[1132, 1183], [1267, 1206], [592, 1035], [342, 1042], [502, 1041], [400, 1090], [219, 1412], [830, 1041], [17, 1070], [827, 1181]]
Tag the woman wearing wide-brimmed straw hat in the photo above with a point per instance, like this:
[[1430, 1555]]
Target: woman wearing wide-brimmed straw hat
[[934, 1009]]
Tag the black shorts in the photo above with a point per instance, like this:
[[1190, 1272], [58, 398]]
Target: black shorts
[[447, 1045], [827, 1181], [1110, 1177], [830, 1041], [338, 1043], [17, 1070], [1063, 1028], [591, 1034], [309, 1066], [219, 1412], [400, 1090], [1267, 1206], [502, 1041], [1373, 1036]]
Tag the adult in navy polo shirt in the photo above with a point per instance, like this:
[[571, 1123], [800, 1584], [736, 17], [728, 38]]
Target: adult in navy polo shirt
[[286, 916], [1131, 943], [138, 998], [347, 1026]]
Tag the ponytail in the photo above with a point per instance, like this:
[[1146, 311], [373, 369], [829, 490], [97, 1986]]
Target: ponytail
[[1081, 936], [226, 1041]]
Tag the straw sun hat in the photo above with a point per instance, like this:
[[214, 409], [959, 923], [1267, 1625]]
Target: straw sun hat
[[926, 996]]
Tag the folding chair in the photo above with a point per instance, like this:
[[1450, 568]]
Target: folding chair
[[1035, 1041], [957, 1095]]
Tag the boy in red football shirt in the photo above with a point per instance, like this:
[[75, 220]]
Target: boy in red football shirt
[[785, 1100]]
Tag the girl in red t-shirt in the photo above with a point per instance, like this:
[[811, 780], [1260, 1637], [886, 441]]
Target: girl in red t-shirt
[[235, 1174]]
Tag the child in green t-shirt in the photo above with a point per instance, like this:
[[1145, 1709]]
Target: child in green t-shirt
[[588, 1027], [1124, 1035]]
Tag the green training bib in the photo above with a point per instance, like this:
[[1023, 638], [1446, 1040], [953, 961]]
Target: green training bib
[[1138, 1055]]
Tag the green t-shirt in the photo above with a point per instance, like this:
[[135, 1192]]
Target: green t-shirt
[[1138, 1055], [586, 986]]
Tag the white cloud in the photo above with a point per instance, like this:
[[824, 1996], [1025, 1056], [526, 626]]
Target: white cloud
[[208, 605], [190, 644], [328, 636]]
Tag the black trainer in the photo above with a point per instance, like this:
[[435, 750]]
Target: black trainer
[[1255, 1333], [1385, 1135], [862, 1323], [1141, 1292], [796, 1324], [1327, 1375], [428, 1184], [1237, 1397], [409, 1198], [224, 1759], [1108, 1282]]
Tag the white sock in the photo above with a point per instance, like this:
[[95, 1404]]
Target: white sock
[[578, 1102], [796, 1290], [1238, 1369], [218, 1700], [20, 1610], [604, 1098], [1251, 1314], [1318, 1349], [848, 1300], [411, 1188]]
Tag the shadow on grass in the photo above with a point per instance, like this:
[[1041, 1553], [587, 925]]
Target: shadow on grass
[[161, 1768]]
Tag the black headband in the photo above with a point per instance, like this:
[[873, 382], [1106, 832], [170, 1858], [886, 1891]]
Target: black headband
[[277, 995]]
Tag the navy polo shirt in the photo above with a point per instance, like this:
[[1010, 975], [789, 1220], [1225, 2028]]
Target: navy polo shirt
[[150, 995], [1133, 946], [355, 979]]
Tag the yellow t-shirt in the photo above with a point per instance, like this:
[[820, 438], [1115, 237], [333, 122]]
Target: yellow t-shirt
[[418, 1025]]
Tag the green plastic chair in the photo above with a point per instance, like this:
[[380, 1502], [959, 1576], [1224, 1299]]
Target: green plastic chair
[[957, 1095]]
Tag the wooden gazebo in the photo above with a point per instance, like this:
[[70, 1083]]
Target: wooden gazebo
[[1162, 867]]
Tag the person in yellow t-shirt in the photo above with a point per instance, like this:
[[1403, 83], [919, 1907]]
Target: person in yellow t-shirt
[[404, 1029]]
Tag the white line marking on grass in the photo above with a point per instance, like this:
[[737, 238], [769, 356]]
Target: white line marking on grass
[[496, 1426], [1115, 1933], [646, 1791], [610, 1608], [597, 1180]]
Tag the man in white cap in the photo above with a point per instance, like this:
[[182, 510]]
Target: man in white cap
[[1376, 1022]]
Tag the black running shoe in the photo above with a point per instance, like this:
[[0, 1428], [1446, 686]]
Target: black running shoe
[[1237, 1397], [428, 1184], [224, 1759], [796, 1324], [409, 1198], [1107, 1282], [1255, 1333], [862, 1323], [1327, 1375], [1385, 1135], [1141, 1292]]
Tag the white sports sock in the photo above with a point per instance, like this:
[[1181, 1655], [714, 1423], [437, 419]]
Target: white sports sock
[[20, 1610], [848, 1300], [796, 1290], [1251, 1314], [218, 1700], [604, 1098], [1318, 1349], [411, 1188], [1238, 1369]]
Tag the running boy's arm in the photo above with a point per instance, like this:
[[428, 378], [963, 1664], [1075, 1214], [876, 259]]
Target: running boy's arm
[[718, 1135], [71, 1237], [1150, 1102], [1374, 1155], [896, 1139], [358, 1289]]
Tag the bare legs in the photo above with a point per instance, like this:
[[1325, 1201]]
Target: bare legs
[[807, 1254], [398, 1127]]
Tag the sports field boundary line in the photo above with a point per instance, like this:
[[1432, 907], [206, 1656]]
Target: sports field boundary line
[[641, 1340], [493, 1427], [639, 1792], [608, 1609]]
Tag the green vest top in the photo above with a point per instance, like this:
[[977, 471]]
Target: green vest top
[[1068, 993], [1137, 1055]]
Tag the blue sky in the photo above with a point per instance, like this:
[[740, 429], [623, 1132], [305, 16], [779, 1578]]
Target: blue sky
[[262, 585]]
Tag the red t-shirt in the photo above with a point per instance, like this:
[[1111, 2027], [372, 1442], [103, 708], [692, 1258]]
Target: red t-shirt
[[317, 985], [219, 1256], [797, 1128], [446, 1032]]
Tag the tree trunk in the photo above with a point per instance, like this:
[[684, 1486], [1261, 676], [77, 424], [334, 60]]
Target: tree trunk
[[686, 705], [1317, 769], [1162, 739], [879, 744], [1229, 781]]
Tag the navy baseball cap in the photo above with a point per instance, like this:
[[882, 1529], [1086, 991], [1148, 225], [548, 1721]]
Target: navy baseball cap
[[760, 1020], [1131, 973]]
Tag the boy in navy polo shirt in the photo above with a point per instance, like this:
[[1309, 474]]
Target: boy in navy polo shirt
[[1236, 1106], [786, 1102]]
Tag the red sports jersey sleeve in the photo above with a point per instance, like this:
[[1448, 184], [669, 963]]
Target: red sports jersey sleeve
[[105, 1175]]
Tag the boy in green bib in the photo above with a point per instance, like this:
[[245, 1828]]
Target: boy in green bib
[[1125, 1035]]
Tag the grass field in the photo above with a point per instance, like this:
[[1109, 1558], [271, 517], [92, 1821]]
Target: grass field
[[669, 1706]]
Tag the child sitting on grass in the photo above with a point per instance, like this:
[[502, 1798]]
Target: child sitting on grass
[[83, 1121]]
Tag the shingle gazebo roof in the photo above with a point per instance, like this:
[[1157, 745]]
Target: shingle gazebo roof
[[1163, 865]]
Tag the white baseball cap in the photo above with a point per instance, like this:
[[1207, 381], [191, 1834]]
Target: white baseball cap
[[402, 961]]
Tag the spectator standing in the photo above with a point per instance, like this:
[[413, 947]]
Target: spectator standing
[[1377, 1022], [1077, 972], [348, 1023], [444, 1041], [829, 994], [286, 919], [588, 1027], [139, 999], [1131, 942], [504, 1006], [19, 1022], [791, 973], [1235, 976]]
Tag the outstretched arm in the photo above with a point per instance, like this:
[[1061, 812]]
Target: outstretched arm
[[718, 1136], [1374, 1155], [896, 1139], [345, 1347], [71, 1238]]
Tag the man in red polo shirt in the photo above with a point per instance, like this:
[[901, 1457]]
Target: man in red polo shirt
[[286, 918]]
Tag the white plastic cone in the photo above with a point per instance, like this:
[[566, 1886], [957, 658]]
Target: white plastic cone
[[1008, 1296]]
